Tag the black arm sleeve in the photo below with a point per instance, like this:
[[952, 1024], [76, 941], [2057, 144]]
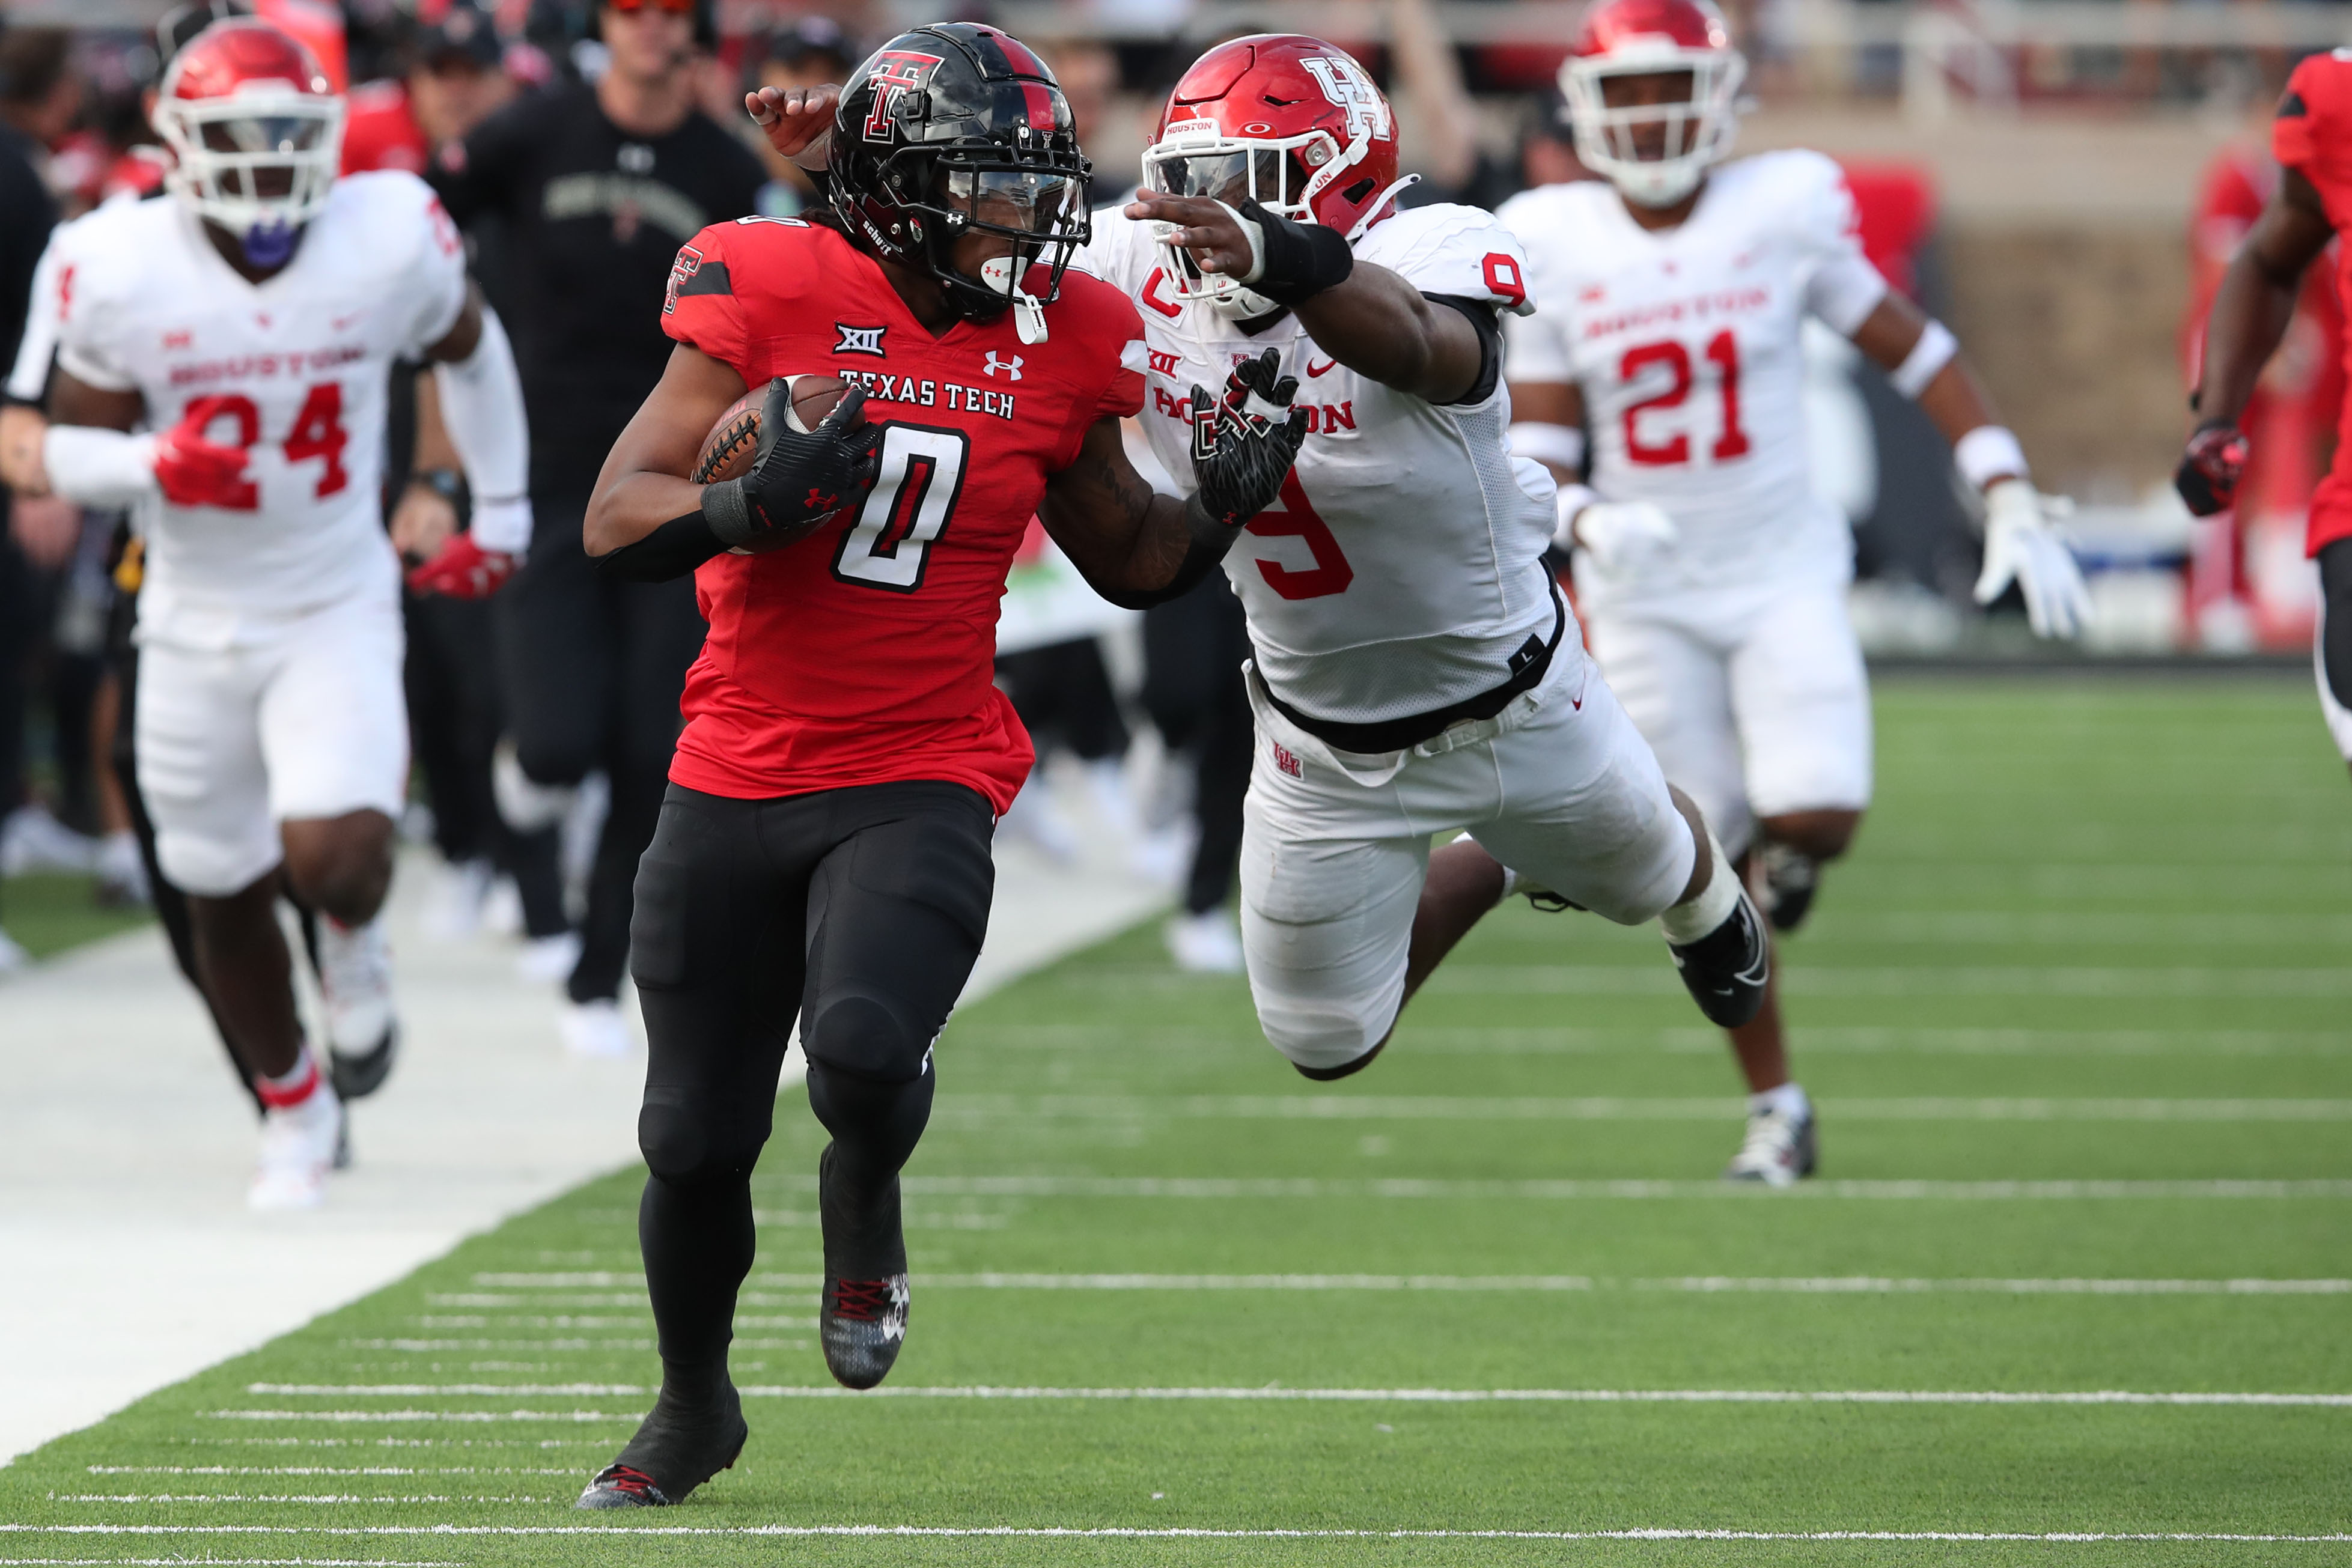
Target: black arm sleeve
[[671, 550], [1483, 320]]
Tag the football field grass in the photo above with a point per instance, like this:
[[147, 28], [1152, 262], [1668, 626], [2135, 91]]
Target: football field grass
[[2073, 1288]]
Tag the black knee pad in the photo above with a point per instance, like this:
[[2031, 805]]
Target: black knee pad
[[2336, 630], [866, 1037], [688, 1137]]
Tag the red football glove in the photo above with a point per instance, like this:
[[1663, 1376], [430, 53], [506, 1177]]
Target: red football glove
[[2210, 468], [463, 570], [195, 472]]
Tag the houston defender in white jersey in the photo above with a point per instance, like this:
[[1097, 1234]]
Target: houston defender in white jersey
[[1402, 570], [1416, 670], [1685, 344], [1672, 301], [293, 372], [217, 361]]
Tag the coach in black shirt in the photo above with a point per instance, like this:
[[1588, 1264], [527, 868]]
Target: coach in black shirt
[[594, 189]]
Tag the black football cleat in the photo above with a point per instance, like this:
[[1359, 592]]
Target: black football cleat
[[1790, 880], [862, 1315], [676, 1450], [1727, 969], [357, 1074]]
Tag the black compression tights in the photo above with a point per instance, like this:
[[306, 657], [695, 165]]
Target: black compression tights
[[859, 910]]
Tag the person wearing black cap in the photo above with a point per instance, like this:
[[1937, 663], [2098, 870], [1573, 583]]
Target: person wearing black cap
[[597, 186], [805, 53], [454, 80]]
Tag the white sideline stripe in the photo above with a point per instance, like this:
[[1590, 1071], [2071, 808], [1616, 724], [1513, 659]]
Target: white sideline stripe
[[2173, 981], [1414, 1187], [470, 1416], [1340, 1395], [1518, 1039], [327, 1498], [1834, 1284], [312, 1471], [237, 1562], [1117, 1533], [1613, 1108]]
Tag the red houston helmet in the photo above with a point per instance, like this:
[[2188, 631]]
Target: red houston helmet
[[1653, 38], [1289, 121], [255, 131]]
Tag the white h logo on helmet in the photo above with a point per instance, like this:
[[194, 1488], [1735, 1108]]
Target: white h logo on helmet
[[1344, 83]]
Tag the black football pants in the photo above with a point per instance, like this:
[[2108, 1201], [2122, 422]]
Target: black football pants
[[592, 669], [859, 911]]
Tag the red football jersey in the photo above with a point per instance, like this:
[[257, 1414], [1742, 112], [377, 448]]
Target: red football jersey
[[863, 653], [2313, 135]]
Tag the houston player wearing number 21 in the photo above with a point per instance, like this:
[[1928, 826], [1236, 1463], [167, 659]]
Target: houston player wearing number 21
[[823, 848], [1416, 669], [248, 325], [1711, 576]]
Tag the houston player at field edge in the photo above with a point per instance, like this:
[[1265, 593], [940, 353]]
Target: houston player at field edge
[[1673, 295], [1416, 669], [823, 849], [2312, 139], [221, 365]]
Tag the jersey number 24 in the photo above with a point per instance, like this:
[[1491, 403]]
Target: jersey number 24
[[318, 432]]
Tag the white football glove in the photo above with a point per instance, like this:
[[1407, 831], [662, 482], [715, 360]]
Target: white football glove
[[1623, 537], [2021, 548]]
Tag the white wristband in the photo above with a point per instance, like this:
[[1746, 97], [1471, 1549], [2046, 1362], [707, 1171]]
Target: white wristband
[[502, 525], [1562, 444], [1925, 360], [1572, 500], [98, 467], [1986, 453]]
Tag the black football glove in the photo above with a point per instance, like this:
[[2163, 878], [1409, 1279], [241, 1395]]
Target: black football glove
[[798, 479], [2209, 470], [1244, 443]]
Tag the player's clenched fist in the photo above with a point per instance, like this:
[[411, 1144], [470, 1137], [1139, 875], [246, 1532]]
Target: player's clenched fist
[[1244, 442], [2209, 470], [798, 478], [195, 472]]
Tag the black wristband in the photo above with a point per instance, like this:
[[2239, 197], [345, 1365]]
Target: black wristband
[[1298, 261], [729, 513]]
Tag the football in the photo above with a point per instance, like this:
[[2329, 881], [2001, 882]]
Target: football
[[727, 451]]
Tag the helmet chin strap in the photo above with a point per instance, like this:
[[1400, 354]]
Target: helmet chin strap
[[1002, 275]]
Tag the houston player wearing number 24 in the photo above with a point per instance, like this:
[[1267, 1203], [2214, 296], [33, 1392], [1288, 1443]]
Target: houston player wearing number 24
[[1671, 299], [1416, 669], [823, 848], [250, 323]]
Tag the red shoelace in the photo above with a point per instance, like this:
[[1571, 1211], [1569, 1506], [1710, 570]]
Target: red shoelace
[[624, 1478], [863, 1300]]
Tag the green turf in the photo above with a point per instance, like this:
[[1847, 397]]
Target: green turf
[[50, 911], [2093, 934]]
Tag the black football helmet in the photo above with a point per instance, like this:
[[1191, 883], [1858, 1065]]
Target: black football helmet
[[957, 129]]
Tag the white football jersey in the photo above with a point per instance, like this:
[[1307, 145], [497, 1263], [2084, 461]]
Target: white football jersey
[[293, 369], [1686, 343], [1399, 571]]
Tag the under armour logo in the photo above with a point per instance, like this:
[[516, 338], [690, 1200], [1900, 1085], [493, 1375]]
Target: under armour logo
[[818, 501], [1343, 81], [859, 339], [1010, 367]]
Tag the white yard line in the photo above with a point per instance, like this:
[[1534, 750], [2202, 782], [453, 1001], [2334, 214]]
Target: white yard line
[[985, 1109], [1225, 1187], [132, 1260], [1803, 1284], [1117, 1533], [1890, 980], [1275, 1395]]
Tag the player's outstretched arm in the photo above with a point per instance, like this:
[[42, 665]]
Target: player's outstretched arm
[[1365, 316], [645, 507], [1923, 359], [1138, 549]]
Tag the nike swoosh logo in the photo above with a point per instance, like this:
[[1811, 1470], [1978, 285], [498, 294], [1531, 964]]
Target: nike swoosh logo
[[1312, 372]]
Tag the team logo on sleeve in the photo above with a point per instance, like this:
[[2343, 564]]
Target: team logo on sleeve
[[897, 71], [688, 263], [1343, 81], [860, 339]]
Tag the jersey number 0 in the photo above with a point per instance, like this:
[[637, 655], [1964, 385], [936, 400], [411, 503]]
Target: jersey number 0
[[906, 511]]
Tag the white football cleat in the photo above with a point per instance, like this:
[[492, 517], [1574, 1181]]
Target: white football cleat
[[595, 1028], [1780, 1148], [298, 1149], [1205, 944], [355, 976], [454, 911], [548, 958]]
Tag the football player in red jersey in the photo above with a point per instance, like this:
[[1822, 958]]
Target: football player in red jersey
[[823, 849], [2256, 300]]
